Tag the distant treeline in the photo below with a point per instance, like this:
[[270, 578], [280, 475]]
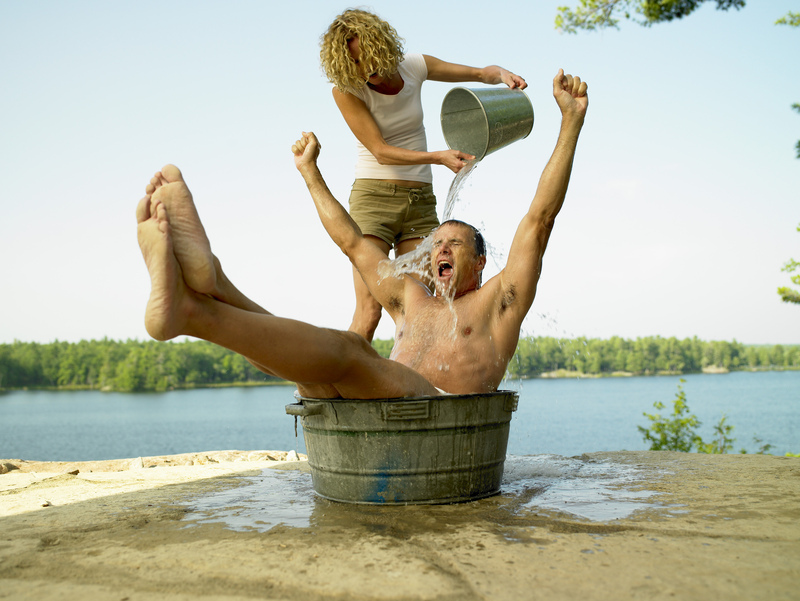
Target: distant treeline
[[645, 356], [130, 366], [134, 366]]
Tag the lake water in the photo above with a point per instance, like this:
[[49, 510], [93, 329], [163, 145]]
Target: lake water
[[560, 417]]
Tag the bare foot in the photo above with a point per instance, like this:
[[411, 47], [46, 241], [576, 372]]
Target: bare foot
[[164, 318], [189, 240]]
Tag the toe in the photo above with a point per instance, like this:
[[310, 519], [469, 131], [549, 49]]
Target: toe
[[143, 209], [171, 173], [155, 183]]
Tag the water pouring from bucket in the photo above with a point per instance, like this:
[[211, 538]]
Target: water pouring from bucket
[[455, 188]]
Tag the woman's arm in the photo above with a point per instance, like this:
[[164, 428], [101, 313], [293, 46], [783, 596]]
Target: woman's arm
[[439, 70], [362, 124]]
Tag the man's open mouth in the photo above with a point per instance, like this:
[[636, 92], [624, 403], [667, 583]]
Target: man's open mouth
[[445, 269]]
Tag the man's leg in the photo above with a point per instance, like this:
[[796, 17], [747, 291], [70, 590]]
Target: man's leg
[[324, 363], [190, 243], [202, 271], [367, 313], [189, 236]]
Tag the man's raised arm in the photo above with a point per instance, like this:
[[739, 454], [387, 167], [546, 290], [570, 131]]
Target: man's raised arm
[[340, 226], [519, 278]]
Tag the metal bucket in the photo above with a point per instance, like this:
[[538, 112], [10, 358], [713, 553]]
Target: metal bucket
[[433, 449], [481, 120]]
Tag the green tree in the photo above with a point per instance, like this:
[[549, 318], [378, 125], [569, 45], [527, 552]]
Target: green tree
[[383, 347], [787, 294], [796, 106], [792, 19], [763, 448], [678, 432], [722, 442], [592, 15], [129, 376], [675, 432]]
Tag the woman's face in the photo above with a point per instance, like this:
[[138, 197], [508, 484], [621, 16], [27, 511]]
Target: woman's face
[[355, 54]]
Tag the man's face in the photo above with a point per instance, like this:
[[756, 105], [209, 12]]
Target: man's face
[[456, 268]]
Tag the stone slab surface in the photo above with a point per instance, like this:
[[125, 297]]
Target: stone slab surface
[[719, 527]]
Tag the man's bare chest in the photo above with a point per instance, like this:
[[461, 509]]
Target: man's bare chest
[[442, 328]]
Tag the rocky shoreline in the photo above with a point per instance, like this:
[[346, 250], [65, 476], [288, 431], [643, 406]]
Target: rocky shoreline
[[718, 526]]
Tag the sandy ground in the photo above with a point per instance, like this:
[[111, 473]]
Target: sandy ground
[[720, 527]]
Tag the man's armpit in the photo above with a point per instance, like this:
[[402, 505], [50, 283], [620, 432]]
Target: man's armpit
[[508, 298]]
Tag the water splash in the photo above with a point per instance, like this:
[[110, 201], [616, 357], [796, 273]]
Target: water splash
[[598, 491], [593, 490], [273, 498], [416, 263]]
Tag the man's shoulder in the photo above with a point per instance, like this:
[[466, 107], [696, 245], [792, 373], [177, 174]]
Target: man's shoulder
[[496, 300], [491, 289]]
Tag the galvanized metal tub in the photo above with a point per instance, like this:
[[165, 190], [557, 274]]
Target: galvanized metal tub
[[433, 449], [479, 121]]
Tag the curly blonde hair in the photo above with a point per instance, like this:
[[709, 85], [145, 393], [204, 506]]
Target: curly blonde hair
[[381, 48]]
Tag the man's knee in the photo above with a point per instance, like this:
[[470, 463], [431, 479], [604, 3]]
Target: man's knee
[[355, 343], [365, 319], [369, 309]]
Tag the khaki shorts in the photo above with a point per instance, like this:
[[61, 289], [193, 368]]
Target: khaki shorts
[[393, 213]]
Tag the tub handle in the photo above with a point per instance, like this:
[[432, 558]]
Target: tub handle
[[511, 402], [301, 410], [407, 410]]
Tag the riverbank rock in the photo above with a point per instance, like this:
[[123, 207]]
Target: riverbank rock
[[712, 527], [115, 465], [7, 466]]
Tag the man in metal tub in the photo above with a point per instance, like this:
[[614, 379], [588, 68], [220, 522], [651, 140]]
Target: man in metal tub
[[190, 294]]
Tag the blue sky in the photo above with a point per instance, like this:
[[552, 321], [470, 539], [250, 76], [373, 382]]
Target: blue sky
[[682, 208]]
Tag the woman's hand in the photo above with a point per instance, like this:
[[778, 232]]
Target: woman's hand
[[512, 80], [495, 74], [454, 160]]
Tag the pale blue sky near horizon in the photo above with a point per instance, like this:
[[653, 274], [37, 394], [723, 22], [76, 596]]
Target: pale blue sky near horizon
[[682, 209]]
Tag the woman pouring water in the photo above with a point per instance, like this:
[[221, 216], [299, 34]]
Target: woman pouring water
[[377, 89]]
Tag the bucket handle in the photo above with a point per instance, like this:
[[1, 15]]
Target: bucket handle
[[301, 410]]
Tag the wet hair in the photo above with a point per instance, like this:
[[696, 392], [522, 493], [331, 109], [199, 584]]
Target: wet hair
[[381, 48], [480, 243]]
